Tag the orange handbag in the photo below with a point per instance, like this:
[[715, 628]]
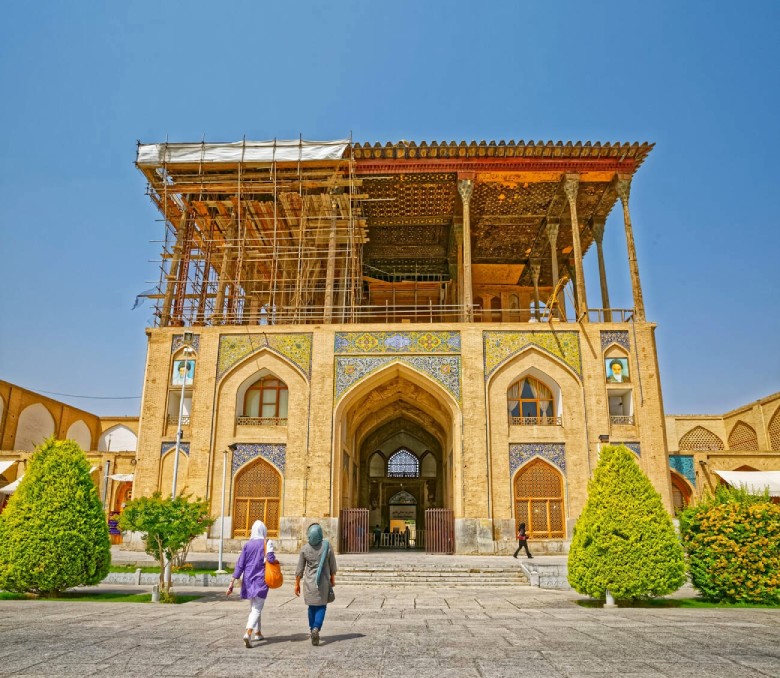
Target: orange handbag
[[273, 575]]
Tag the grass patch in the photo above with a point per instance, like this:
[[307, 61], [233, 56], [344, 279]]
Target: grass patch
[[676, 603], [96, 597], [8, 595], [156, 570]]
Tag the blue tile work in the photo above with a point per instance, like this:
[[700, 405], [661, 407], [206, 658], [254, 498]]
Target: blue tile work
[[634, 447], [683, 464], [444, 369], [177, 341], [501, 346], [361, 343], [244, 452], [520, 453], [619, 337], [294, 347], [167, 447]]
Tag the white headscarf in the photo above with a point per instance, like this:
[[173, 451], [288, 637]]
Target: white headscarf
[[260, 531]]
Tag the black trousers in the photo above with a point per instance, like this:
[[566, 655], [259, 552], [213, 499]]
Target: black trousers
[[523, 543]]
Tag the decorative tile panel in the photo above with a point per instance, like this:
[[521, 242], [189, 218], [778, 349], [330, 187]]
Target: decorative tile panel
[[244, 452], [683, 464], [443, 369], [500, 346], [634, 447], [235, 347], [397, 342], [520, 453], [167, 447], [619, 337], [177, 341]]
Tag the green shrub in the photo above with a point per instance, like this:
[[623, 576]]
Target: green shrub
[[624, 541], [53, 533], [168, 527], [733, 545]]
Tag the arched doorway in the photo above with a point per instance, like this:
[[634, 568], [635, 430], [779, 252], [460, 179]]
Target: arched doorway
[[538, 490], [257, 496], [681, 493], [395, 438]]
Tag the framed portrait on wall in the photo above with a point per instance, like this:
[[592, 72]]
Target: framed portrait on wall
[[183, 372], [617, 370]]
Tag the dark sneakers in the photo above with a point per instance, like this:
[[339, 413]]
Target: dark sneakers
[[315, 636]]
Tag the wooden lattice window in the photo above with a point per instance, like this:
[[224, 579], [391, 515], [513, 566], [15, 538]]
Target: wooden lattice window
[[681, 493], [700, 439], [774, 431], [403, 464], [539, 500], [530, 398], [743, 437], [266, 398], [258, 494]]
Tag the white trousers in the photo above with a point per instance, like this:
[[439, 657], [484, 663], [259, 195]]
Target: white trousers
[[255, 608]]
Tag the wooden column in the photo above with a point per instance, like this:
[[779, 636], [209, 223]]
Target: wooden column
[[327, 314], [224, 270], [466, 188], [173, 270], [536, 267], [597, 227], [571, 186], [623, 188], [552, 236], [459, 266]]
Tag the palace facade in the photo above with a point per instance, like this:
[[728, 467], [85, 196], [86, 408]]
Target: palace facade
[[397, 336]]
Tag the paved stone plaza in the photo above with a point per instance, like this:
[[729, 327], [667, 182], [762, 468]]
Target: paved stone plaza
[[406, 631]]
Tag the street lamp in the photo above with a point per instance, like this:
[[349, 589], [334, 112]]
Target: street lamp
[[229, 448]]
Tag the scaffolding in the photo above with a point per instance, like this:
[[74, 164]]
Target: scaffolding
[[257, 233]]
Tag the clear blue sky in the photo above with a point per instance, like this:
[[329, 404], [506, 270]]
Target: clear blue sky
[[82, 81]]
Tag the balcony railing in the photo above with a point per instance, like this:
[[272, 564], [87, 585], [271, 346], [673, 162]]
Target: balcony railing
[[173, 420], [619, 420], [261, 421], [535, 421]]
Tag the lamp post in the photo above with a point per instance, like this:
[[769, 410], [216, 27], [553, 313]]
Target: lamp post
[[179, 434], [230, 448]]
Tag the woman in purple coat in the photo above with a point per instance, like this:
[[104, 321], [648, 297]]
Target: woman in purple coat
[[251, 564]]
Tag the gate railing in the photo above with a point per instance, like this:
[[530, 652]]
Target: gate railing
[[353, 531], [439, 531]]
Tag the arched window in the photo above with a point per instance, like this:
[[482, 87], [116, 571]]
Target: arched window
[[774, 430], [258, 496], [403, 464], [266, 400], [743, 437], [700, 439], [681, 493], [539, 500], [531, 402]]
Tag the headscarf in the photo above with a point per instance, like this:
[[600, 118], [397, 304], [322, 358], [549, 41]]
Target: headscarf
[[314, 535], [260, 531]]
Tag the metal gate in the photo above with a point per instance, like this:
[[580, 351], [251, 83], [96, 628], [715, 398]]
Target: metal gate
[[439, 531], [353, 528]]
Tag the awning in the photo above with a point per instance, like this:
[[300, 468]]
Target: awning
[[755, 482], [5, 465], [93, 469], [123, 477], [10, 489]]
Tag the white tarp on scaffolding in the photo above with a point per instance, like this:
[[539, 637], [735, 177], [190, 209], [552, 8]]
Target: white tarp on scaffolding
[[755, 482], [276, 150]]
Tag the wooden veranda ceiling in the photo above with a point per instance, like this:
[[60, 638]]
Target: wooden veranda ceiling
[[403, 198]]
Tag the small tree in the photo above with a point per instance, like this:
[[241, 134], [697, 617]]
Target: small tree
[[733, 544], [624, 541], [168, 526], [53, 533]]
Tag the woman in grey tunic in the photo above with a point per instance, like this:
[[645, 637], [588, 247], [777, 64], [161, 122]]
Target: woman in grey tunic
[[318, 575]]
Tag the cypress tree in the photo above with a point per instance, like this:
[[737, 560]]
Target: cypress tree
[[624, 541], [53, 533]]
